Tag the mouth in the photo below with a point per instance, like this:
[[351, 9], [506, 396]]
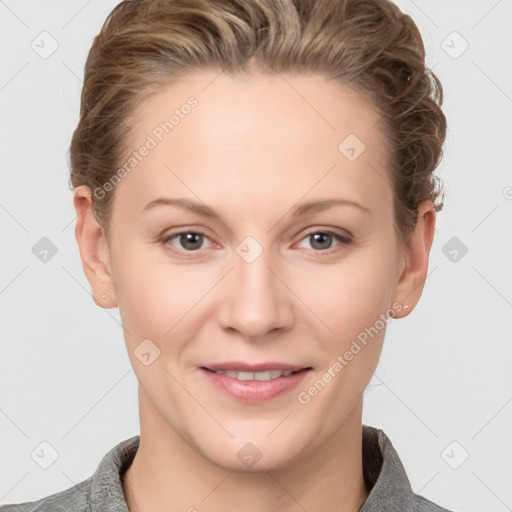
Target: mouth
[[260, 376], [254, 383]]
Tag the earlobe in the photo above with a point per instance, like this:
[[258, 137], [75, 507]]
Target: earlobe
[[416, 251], [93, 249]]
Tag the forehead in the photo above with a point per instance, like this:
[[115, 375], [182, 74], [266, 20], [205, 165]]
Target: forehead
[[258, 135]]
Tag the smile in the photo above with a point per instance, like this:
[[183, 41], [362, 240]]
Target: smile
[[256, 386], [261, 376]]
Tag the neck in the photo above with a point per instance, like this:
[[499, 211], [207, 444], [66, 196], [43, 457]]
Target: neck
[[168, 475]]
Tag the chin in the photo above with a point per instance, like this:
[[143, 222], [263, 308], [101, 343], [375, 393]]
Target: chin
[[245, 456], [263, 465]]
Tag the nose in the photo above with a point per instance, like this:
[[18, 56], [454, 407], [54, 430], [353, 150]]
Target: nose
[[256, 303]]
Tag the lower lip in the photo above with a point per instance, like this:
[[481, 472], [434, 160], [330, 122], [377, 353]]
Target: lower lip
[[255, 391]]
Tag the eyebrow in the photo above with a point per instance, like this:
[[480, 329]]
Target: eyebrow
[[204, 210]]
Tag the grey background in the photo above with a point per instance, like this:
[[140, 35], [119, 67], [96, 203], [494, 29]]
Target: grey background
[[443, 387]]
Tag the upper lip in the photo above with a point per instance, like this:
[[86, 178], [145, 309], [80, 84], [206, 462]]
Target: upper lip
[[247, 367]]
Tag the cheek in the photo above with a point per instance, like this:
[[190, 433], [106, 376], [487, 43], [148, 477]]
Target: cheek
[[161, 300], [338, 301], [153, 297], [349, 298]]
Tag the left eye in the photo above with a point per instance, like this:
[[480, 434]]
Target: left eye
[[322, 240]]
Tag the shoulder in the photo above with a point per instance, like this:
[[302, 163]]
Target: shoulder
[[102, 492], [424, 505], [74, 499]]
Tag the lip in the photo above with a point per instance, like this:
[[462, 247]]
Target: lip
[[247, 367], [254, 391]]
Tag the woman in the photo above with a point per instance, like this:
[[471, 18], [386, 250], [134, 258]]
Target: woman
[[254, 191]]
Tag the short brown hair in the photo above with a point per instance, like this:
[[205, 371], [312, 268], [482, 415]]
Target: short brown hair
[[368, 45]]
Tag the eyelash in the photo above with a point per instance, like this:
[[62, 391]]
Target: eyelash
[[342, 239]]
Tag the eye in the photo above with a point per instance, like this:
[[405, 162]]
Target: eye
[[189, 241], [193, 241], [322, 240]]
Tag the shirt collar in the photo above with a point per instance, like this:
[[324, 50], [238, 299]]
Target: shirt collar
[[382, 469]]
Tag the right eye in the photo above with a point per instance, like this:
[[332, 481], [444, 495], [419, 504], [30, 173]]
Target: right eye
[[190, 241]]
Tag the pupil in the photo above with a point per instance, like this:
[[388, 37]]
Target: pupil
[[322, 238], [190, 240]]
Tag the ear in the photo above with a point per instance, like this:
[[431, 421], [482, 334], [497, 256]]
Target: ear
[[93, 249], [416, 250]]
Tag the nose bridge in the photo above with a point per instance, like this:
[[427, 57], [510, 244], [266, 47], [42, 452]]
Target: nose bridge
[[256, 301]]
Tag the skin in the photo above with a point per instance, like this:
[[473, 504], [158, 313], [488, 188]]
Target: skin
[[251, 151]]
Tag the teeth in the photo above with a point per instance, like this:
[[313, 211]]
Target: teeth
[[267, 375]]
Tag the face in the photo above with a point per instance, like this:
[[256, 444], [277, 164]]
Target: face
[[252, 234]]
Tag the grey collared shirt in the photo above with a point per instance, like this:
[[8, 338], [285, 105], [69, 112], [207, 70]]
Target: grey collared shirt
[[103, 491]]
